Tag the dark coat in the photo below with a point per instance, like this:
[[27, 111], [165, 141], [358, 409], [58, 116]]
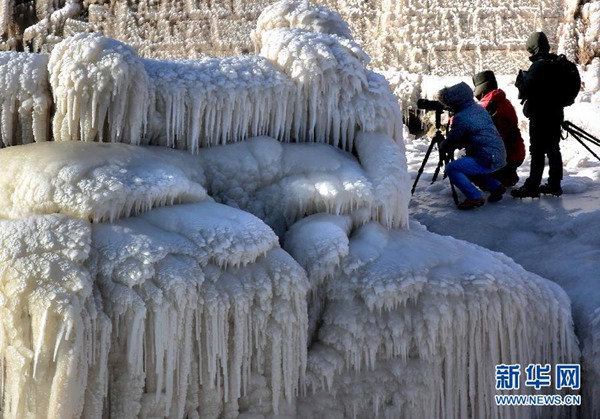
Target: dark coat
[[537, 85], [505, 118]]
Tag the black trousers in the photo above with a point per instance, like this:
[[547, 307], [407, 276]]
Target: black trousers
[[544, 140]]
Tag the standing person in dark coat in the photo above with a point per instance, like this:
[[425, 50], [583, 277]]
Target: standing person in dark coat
[[472, 129], [505, 119], [537, 87]]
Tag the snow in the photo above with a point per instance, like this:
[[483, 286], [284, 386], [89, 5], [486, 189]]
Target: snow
[[273, 264]]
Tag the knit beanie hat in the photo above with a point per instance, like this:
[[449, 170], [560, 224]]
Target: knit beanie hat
[[538, 43], [484, 82]]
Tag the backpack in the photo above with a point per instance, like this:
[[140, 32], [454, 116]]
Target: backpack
[[568, 81]]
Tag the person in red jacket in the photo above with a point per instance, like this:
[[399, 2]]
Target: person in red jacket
[[505, 118]]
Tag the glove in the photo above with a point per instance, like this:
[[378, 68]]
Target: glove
[[445, 147]]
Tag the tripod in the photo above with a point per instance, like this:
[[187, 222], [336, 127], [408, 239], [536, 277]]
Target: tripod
[[580, 135], [444, 158]]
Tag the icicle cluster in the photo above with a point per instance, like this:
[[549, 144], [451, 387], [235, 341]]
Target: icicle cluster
[[403, 337], [200, 297], [180, 310], [53, 339], [207, 102], [307, 87], [335, 95], [100, 90], [25, 99]]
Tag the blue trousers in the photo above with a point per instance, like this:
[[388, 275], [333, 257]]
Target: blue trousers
[[460, 170]]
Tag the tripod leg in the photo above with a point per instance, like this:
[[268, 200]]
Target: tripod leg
[[444, 161], [454, 194], [420, 172], [437, 171], [586, 147], [576, 131]]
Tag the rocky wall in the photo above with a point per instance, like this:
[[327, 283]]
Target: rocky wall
[[439, 37]]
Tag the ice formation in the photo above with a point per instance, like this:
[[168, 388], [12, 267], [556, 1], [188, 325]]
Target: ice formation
[[103, 185], [222, 313], [324, 93], [100, 90], [165, 314], [25, 100], [405, 337], [140, 281]]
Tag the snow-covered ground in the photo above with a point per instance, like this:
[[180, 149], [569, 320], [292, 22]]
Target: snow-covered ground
[[555, 237]]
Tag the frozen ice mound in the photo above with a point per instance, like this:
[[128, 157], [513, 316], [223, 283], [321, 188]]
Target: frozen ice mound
[[161, 315], [414, 324], [98, 182], [282, 183]]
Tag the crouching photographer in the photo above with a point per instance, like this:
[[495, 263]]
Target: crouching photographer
[[472, 128]]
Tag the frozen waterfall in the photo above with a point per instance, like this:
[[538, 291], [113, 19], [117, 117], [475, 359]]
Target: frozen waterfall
[[230, 238]]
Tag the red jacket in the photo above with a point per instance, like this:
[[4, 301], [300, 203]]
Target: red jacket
[[506, 121]]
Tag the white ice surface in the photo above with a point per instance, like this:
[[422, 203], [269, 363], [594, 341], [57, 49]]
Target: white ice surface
[[94, 181]]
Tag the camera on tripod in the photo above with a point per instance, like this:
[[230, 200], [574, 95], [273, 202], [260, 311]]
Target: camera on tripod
[[438, 108], [430, 105], [437, 139]]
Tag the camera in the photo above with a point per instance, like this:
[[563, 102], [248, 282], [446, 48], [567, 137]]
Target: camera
[[520, 83], [430, 105]]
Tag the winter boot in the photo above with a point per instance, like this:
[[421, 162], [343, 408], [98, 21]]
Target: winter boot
[[547, 189], [497, 193], [526, 191], [510, 180], [471, 203]]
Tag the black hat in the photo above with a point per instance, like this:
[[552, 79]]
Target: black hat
[[537, 43], [484, 82]]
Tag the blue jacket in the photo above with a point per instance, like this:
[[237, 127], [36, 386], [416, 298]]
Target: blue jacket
[[472, 128]]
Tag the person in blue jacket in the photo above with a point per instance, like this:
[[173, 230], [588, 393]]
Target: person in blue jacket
[[472, 128]]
